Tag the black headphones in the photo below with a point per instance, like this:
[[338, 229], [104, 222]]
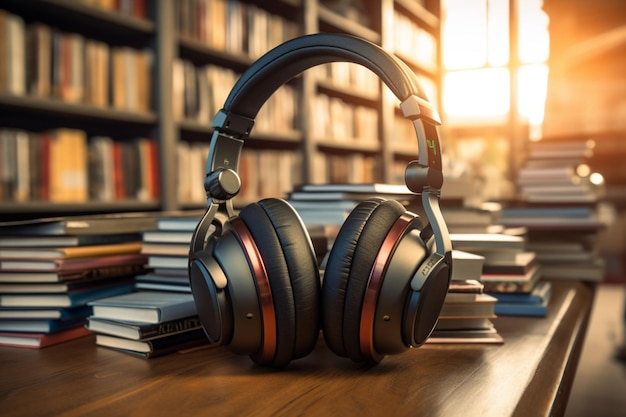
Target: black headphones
[[256, 282]]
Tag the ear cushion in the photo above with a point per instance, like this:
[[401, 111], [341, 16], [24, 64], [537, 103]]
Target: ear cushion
[[291, 266], [349, 264]]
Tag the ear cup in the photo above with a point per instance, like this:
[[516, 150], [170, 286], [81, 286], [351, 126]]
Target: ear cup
[[348, 269], [290, 263]]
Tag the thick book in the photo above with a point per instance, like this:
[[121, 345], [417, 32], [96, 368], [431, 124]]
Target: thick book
[[171, 249], [145, 306], [71, 252], [164, 261], [518, 263], [522, 309], [154, 347], [96, 224], [534, 303], [466, 265], [40, 340], [476, 242], [76, 264], [44, 313], [142, 331], [59, 241], [481, 306], [72, 299], [531, 275], [41, 325], [490, 336], [59, 287], [97, 273], [463, 290]]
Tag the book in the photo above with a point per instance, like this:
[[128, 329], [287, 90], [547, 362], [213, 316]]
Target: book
[[70, 252], [465, 336], [475, 242], [172, 249], [463, 323], [179, 223], [466, 265], [529, 276], [44, 313], [167, 236], [59, 241], [71, 299], [463, 290], [163, 282], [142, 331], [145, 306], [534, 303], [523, 309], [40, 340], [513, 283], [97, 273], [481, 306], [74, 264], [369, 188], [154, 347], [518, 263], [163, 261], [59, 287], [96, 224], [41, 325]]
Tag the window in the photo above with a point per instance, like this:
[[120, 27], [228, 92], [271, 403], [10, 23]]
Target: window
[[494, 62]]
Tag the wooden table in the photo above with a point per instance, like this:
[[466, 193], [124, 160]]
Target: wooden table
[[529, 375]]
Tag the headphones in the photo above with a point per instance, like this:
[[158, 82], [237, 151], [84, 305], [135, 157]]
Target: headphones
[[255, 280]]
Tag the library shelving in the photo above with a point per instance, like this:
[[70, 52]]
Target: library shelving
[[139, 81]]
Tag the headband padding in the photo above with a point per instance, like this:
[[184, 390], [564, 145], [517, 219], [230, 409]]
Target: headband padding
[[289, 59]]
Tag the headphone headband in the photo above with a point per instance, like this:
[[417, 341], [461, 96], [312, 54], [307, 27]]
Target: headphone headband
[[234, 122]]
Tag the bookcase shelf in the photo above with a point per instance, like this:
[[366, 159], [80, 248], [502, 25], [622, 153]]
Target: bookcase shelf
[[58, 109], [287, 134]]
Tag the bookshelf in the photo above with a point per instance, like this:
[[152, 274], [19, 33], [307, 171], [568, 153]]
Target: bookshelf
[[333, 123]]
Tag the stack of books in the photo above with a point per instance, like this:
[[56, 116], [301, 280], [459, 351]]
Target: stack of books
[[147, 323], [560, 206], [167, 249], [50, 269], [330, 204], [467, 313], [510, 274], [563, 237]]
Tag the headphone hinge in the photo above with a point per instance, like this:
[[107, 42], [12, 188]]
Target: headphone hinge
[[232, 124]]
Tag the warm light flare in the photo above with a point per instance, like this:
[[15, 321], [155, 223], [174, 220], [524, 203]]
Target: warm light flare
[[476, 85]]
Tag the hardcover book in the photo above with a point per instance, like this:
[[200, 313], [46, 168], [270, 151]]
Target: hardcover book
[[142, 331], [145, 306], [154, 347], [40, 340]]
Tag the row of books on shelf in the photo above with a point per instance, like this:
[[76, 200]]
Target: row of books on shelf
[[233, 26], [348, 75], [132, 8], [266, 172], [64, 165], [200, 92], [412, 40], [336, 119], [45, 62]]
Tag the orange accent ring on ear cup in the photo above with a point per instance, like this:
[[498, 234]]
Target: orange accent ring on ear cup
[[268, 348], [374, 283]]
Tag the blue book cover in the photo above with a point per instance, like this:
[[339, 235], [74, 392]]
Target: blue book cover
[[522, 309]]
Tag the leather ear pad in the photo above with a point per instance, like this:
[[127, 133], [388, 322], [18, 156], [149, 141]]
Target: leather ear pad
[[292, 270], [349, 264]]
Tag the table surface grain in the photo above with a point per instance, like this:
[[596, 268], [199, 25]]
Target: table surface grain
[[530, 374]]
